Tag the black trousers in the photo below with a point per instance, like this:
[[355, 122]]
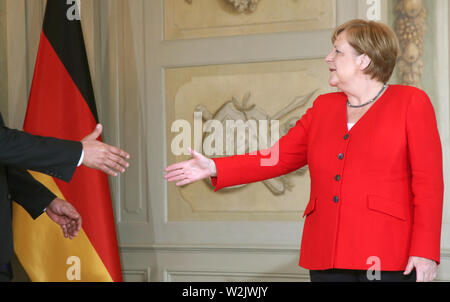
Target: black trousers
[[346, 275], [6, 273]]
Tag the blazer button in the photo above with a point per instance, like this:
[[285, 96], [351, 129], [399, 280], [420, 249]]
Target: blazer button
[[336, 199], [346, 136], [341, 156], [338, 177]]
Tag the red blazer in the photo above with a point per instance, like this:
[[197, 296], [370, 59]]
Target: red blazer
[[376, 190]]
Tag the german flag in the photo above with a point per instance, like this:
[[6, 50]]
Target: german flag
[[62, 105]]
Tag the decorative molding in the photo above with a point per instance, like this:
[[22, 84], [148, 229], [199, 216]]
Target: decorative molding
[[139, 274], [240, 6], [410, 27], [227, 276], [209, 249], [216, 92], [217, 18], [124, 102], [445, 252], [171, 275]]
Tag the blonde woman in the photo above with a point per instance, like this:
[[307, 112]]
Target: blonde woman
[[375, 161]]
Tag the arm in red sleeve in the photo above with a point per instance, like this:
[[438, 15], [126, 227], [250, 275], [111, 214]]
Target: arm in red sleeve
[[285, 156], [425, 155]]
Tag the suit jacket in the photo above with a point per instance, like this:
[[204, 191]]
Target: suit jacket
[[20, 151], [376, 190]]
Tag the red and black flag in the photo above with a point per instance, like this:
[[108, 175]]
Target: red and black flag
[[62, 105]]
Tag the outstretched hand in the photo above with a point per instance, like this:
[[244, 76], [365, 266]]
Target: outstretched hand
[[64, 214], [197, 168], [103, 157]]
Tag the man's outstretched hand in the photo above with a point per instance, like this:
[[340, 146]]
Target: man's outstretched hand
[[103, 157], [64, 214]]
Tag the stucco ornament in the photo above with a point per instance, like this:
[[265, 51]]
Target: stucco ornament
[[233, 110], [410, 28], [240, 6]]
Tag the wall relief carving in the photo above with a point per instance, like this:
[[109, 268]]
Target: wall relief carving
[[235, 111], [240, 6], [278, 90]]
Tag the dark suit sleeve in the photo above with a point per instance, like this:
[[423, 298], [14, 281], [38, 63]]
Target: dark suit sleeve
[[51, 156], [28, 192]]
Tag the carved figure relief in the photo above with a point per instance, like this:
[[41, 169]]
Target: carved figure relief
[[241, 6], [244, 112]]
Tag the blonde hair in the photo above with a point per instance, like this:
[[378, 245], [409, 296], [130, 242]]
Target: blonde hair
[[377, 41]]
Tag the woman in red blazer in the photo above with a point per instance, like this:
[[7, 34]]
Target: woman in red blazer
[[375, 162]]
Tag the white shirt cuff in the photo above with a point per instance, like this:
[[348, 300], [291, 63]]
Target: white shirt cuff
[[81, 158]]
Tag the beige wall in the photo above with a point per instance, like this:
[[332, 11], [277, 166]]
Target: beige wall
[[142, 72]]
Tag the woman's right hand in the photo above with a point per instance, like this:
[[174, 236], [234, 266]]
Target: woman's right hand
[[199, 167]]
